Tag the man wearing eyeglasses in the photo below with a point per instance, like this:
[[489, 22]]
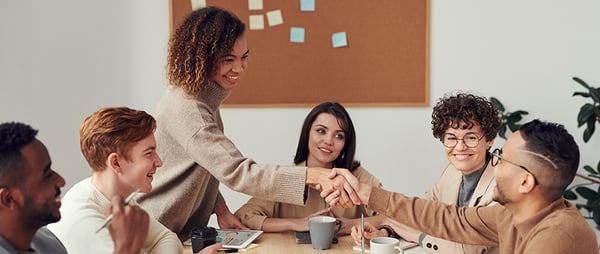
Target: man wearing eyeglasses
[[466, 125], [532, 170]]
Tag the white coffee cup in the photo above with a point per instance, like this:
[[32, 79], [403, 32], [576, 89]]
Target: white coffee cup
[[385, 245]]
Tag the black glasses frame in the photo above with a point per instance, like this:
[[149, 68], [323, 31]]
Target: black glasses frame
[[462, 139], [497, 157]]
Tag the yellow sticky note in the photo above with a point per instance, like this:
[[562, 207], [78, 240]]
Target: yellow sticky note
[[198, 4], [274, 18], [257, 22], [255, 4]]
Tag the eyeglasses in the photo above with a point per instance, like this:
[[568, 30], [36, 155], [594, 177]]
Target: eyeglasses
[[470, 140], [497, 157]]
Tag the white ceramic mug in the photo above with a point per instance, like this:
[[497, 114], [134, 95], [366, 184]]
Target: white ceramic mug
[[385, 245]]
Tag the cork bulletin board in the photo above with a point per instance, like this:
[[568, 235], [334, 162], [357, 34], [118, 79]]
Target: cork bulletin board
[[385, 61]]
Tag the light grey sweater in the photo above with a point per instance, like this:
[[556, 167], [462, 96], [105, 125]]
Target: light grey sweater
[[197, 156]]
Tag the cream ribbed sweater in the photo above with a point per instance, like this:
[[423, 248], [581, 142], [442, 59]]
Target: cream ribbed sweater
[[197, 156]]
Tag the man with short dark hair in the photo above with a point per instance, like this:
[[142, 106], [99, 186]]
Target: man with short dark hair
[[532, 170], [30, 199]]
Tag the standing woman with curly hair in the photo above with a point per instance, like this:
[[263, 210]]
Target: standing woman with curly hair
[[208, 53]]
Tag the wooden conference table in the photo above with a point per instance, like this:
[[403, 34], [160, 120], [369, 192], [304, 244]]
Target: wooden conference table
[[286, 243]]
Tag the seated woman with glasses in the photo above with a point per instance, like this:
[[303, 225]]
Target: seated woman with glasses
[[327, 140], [466, 125]]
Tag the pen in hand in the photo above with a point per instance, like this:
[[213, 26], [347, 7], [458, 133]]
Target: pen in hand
[[362, 233], [109, 218]]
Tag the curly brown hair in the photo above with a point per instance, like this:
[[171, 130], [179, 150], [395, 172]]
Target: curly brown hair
[[196, 47], [451, 110]]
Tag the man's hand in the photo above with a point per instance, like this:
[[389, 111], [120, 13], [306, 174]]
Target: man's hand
[[407, 233], [226, 219], [370, 233], [129, 226], [335, 197], [325, 180]]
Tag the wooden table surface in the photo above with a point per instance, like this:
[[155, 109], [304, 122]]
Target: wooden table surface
[[285, 243]]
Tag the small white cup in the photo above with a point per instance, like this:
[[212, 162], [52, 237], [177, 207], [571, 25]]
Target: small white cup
[[385, 245]]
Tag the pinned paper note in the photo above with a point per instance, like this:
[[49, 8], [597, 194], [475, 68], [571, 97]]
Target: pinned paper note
[[339, 40], [297, 34], [274, 18], [307, 5], [196, 4], [257, 22], [255, 4]]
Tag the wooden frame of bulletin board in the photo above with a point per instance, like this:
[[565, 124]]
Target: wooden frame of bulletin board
[[385, 62]]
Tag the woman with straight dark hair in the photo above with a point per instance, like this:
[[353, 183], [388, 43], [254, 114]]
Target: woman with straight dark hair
[[327, 140]]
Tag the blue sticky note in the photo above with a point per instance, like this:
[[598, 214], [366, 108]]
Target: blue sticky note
[[297, 34], [307, 5], [339, 40]]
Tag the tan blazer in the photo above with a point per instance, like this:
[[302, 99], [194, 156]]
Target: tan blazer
[[446, 190]]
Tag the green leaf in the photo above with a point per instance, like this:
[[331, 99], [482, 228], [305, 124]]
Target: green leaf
[[582, 94], [595, 94], [585, 113], [581, 82], [587, 193], [589, 130], [589, 169], [587, 135], [596, 215], [521, 112], [497, 103], [569, 195], [586, 207], [502, 131], [593, 202], [513, 126], [512, 117]]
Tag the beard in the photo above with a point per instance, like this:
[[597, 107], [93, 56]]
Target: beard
[[39, 215], [499, 196]]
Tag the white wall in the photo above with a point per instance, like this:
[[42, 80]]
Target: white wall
[[61, 60]]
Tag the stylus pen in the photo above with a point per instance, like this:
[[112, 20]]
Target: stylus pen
[[362, 233], [109, 218]]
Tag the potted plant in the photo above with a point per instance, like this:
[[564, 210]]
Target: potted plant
[[591, 196], [510, 120], [589, 115]]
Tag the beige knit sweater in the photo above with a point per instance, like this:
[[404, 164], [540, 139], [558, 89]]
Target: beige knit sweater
[[558, 228], [197, 156]]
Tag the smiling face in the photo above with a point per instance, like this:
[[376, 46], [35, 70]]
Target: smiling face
[[138, 171], [40, 187], [231, 66], [467, 159], [326, 141]]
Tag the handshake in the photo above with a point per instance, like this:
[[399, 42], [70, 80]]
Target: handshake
[[338, 186]]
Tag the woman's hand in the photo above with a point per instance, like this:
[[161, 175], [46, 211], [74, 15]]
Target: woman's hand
[[229, 221], [370, 233], [226, 219]]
